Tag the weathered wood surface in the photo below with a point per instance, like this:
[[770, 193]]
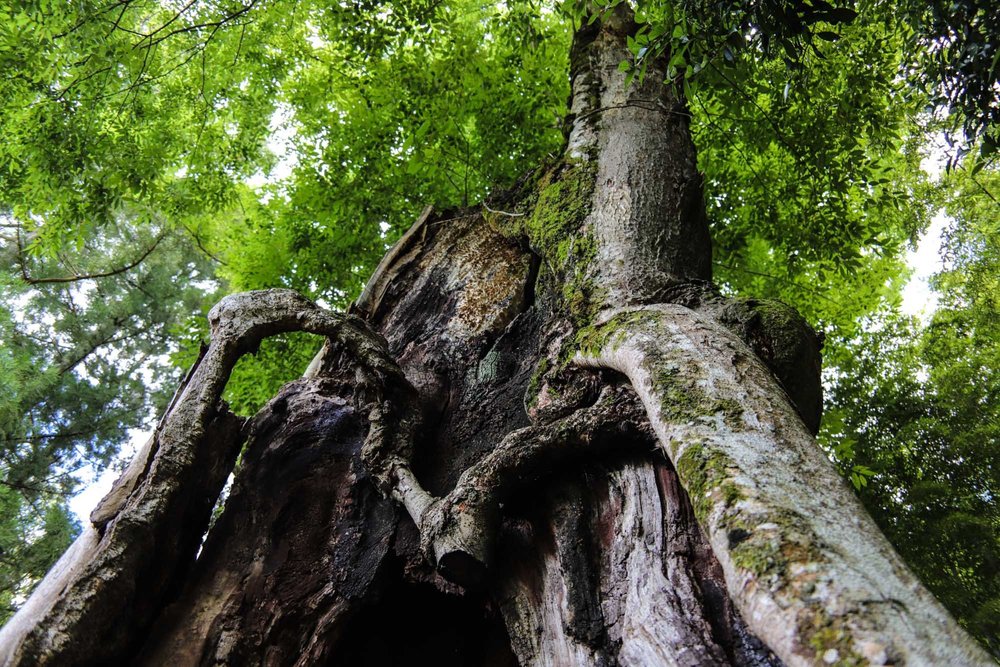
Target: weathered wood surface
[[483, 415]]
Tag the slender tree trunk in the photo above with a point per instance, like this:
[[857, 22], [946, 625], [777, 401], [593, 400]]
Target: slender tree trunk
[[541, 438]]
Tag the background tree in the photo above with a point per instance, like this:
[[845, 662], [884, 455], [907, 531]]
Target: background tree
[[84, 337], [916, 409]]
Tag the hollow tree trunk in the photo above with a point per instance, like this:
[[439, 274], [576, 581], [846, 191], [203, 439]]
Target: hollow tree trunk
[[541, 438]]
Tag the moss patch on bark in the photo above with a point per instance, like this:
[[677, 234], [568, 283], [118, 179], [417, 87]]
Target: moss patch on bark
[[707, 475], [555, 208]]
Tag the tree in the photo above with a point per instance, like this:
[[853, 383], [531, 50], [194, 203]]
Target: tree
[[914, 409], [541, 434], [80, 330]]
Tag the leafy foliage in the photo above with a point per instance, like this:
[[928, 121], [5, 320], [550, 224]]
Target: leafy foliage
[[917, 410], [957, 61], [950, 48], [33, 534], [813, 179], [162, 112], [396, 107], [390, 107], [810, 142], [96, 115], [695, 33]]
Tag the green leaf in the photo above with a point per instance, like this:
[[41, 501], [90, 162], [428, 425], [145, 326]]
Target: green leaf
[[841, 15]]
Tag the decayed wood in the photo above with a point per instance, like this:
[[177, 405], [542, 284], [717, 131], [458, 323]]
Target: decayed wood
[[540, 448], [406, 248], [109, 586], [577, 570], [95, 605], [459, 530], [294, 555]]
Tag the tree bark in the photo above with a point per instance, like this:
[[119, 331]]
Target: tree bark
[[541, 438]]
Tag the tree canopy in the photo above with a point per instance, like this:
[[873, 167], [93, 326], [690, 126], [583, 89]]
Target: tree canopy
[[157, 153]]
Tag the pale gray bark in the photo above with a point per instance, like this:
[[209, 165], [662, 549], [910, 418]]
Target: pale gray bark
[[807, 567], [647, 214]]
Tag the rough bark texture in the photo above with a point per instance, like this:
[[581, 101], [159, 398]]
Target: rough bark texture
[[542, 438], [647, 214]]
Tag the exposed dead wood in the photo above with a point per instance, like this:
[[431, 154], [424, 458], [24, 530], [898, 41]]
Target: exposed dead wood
[[602, 472]]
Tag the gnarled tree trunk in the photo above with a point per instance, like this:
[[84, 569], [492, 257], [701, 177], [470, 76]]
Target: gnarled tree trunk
[[541, 438]]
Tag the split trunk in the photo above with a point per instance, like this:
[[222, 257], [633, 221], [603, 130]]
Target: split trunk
[[542, 437]]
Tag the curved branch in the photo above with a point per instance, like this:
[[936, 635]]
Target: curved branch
[[87, 276], [805, 564], [458, 531], [144, 535]]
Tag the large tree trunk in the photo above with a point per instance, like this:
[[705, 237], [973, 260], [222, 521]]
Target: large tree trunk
[[541, 438]]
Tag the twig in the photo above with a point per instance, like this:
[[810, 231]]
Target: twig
[[86, 276], [513, 215]]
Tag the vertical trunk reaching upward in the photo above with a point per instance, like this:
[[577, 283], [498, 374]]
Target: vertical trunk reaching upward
[[646, 214], [597, 459]]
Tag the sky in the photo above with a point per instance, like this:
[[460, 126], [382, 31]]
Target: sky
[[95, 486], [918, 298], [925, 260]]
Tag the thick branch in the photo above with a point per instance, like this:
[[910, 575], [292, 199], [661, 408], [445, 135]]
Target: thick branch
[[806, 566], [458, 531], [94, 605]]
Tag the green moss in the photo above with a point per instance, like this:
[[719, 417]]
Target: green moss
[[762, 557], [559, 202], [766, 545], [580, 249], [591, 340], [581, 294], [832, 635], [564, 200], [731, 493], [535, 383], [707, 475], [555, 231], [682, 400], [770, 553], [731, 411]]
